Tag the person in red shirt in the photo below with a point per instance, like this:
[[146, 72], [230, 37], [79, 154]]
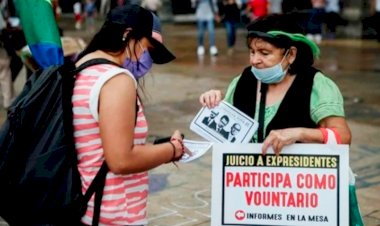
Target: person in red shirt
[[56, 9], [258, 8]]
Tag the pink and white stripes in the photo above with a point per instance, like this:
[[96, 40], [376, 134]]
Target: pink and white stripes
[[125, 196]]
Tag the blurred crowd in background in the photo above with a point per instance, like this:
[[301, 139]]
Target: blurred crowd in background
[[321, 19]]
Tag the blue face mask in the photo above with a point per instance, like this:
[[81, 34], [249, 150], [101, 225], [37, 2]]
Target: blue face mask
[[141, 67], [270, 75]]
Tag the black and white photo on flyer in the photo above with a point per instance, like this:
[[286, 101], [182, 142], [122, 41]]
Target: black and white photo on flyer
[[224, 124]]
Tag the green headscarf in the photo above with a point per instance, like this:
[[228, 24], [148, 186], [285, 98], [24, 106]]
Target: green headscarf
[[299, 38]]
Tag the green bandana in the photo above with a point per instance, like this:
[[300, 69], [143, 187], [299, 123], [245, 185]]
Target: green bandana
[[299, 38]]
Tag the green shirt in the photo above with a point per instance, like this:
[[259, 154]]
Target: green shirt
[[326, 100]]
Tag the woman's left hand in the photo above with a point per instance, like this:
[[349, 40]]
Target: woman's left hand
[[279, 138], [211, 98]]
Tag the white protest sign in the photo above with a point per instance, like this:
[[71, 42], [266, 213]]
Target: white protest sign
[[306, 185]]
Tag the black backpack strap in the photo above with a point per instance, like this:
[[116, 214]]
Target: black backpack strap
[[97, 187], [98, 199]]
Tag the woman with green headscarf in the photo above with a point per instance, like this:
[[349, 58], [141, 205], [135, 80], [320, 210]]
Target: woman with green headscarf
[[291, 100]]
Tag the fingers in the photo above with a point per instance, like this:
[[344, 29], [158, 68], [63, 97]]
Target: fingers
[[218, 98], [201, 100], [276, 140], [211, 98], [267, 142], [187, 151], [277, 146], [177, 135]]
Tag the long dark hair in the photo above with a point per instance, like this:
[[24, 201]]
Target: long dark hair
[[110, 39]]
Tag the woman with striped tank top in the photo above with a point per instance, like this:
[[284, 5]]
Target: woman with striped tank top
[[109, 121]]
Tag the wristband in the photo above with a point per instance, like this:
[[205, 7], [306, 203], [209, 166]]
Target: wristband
[[324, 134], [180, 142], [173, 157], [337, 136]]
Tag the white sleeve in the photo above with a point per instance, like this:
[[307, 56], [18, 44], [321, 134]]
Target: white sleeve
[[95, 90]]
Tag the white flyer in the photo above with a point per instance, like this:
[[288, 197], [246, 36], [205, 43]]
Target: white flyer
[[197, 149], [224, 124]]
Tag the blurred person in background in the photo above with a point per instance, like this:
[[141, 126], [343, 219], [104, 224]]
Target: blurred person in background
[[229, 12], [375, 12], [333, 19], [300, 10], [6, 83], [56, 8], [12, 37], [244, 14], [90, 13], [258, 8], [105, 6], [121, 2], [206, 12], [57, 14], [275, 6], [132, 2], [152, 5], [77, 9], [316, 19]]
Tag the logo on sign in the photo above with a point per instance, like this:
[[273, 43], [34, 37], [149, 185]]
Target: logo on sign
[[239, 215]]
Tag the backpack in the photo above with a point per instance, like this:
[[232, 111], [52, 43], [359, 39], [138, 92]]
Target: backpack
[[39, 180]]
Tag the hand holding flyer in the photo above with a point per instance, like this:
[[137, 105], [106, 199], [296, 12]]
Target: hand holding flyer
[[197, 149]]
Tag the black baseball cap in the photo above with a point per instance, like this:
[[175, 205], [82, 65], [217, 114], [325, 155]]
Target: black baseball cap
[[144, 23]]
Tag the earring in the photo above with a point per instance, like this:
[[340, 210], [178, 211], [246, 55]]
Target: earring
[[123, 39]]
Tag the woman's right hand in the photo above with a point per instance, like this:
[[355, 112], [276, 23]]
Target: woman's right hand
[[211, 98], [177, 140]]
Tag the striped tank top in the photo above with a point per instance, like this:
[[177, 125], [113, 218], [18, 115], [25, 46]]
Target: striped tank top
[[125, 196]]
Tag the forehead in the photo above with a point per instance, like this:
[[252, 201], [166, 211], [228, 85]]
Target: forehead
[[259, 43]]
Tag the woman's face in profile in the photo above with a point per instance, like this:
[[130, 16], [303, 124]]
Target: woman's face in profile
[[138, 47]]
